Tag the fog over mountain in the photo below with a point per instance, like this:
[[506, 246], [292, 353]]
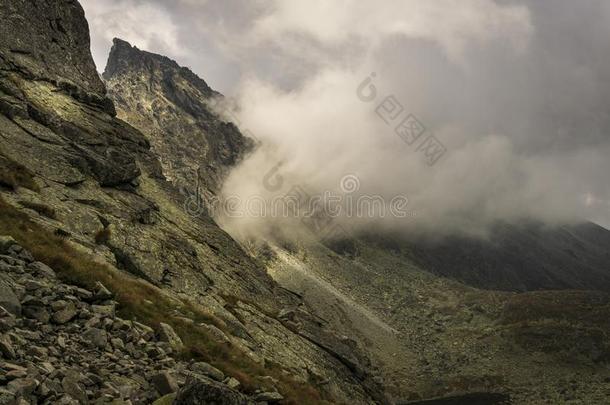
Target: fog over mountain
[[515, 91], [314, 235]]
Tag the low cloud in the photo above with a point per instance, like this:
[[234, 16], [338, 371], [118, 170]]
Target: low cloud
[[516, 92]]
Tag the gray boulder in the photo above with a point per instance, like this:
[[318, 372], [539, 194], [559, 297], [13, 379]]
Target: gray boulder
[[39, 313], [215, 333], [96, 337], [103, 310], [167, 334], [201, 390], [73, 388], [6, 348], [5, 244], [165, 383], [270, 397], [9, 300], [41, 269], [208, 371], [101, 292], [23, 386], [65, 315]]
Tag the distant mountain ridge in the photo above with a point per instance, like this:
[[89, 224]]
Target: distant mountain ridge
[[522, 257]]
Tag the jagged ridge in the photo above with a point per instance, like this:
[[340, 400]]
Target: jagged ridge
[[170, 105]]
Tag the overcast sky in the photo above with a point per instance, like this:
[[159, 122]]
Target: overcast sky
[[517, 91]]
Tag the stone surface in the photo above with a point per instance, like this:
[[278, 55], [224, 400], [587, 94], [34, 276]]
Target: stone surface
[[232, 383], [101, 292], [270, 397], [41, 269], [6, 347], [216, 333], [96, 337], [64, 315], [103, 310], [208, 371], [5, 243], [205, 391], [171, 105], [167, 334], [165, 383], [8, 299], [72, 386]]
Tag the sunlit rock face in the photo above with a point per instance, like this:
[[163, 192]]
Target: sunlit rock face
[[171, 106]]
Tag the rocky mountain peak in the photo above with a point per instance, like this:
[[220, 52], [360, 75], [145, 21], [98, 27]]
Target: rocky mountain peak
[[125, 58], [170, 105]]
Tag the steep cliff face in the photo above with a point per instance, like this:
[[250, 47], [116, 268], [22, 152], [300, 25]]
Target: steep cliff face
[[53, 47], [72, 174], [169, 104]]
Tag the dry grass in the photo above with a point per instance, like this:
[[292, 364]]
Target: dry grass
[[14, 175], [584, 307], [42, 209], [103, 236], [565, 323], [145, 303]]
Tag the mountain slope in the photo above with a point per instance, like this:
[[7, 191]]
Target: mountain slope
[[82, 190], [432, 337], [522, 257]]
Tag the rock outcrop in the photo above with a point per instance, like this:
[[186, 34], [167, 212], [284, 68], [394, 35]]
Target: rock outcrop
[[171, 106], [47, 41]]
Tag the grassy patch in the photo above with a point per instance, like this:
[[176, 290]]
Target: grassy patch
[[42, 209], [147, 304], [103, 236], [565, 323], [13, 175]]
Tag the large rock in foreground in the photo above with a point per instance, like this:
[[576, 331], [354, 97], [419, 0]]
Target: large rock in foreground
[[201, 390]]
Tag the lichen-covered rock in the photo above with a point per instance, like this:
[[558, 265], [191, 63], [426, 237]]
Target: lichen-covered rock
[[96, 337], [8, 299], [5, 243], [201, 390], [208, 371], [6, 347], [167, 334], [269, 397], [165, 383], [39, 37]]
